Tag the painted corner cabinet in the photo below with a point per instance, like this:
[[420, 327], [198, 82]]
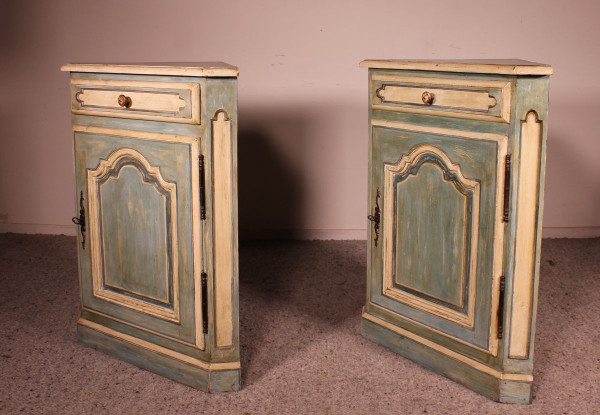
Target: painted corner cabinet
[[156, 189], [456, 177]]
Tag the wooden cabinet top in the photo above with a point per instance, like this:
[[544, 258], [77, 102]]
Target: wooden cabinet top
[[205, 69], [488, 66]]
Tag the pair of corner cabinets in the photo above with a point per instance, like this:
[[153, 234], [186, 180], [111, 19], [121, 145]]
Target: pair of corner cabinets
[[456, 172]]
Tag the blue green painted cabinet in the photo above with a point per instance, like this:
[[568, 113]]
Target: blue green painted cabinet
[[156, 187], [456, 174]]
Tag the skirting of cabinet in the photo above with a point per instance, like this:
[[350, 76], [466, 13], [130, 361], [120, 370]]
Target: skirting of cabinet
[[496, 385], [208, 377]]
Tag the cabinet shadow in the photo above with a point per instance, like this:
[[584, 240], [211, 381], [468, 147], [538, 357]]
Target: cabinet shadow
[[270, 189], [294, 296], [292, 293]]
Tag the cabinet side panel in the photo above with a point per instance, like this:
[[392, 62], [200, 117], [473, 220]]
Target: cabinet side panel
[[222, 218], [528, 146]]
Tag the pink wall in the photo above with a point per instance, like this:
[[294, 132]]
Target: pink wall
[[302, 97]]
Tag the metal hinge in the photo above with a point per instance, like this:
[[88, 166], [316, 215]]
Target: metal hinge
[[501, 308], [202, 188], [506, 187], [204, 303]]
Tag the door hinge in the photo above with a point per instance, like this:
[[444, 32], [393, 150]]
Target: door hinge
[[202, 188], [501, 308], [204, 303], [506, 188]]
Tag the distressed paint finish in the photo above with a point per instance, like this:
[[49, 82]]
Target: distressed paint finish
[[175, 168], [155, 360], [490, 383], [124, 266], [485, 99], [225, 99], [223, 178], [150, 244], [531, 136], [429, 219], [532, 94], [449, 249], [128, 204], [149, 100], [412, 228], [473, 157]]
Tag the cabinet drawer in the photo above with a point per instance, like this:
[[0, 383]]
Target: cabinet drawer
[[462, 98], [144, 100]]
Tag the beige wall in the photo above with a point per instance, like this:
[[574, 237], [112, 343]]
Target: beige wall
[[302, 97]]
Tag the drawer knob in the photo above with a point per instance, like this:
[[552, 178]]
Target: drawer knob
[[427, 98], [124, 101]]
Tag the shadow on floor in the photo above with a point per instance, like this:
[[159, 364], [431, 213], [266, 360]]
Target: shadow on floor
[[312, 286]]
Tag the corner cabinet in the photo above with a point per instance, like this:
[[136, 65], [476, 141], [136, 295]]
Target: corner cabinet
[[156, 190], [456, 176]]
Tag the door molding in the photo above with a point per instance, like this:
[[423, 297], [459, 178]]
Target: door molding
[[409, 165], [499, 226], [109, 169], [194, 143]]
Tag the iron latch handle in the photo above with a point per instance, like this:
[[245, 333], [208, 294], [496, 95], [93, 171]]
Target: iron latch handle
[[376, 218], [80, 221]]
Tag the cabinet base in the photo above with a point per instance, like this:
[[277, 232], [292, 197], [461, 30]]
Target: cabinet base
[[175, 366], [496, 385]]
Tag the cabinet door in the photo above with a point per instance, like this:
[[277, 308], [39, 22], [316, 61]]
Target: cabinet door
[[141, 254], [435, 260]]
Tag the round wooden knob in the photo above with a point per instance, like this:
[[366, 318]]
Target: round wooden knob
[[427, 98], [124, 101]]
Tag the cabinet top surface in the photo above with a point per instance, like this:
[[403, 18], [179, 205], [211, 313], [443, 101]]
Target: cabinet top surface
[[208, 69], [487, 66]]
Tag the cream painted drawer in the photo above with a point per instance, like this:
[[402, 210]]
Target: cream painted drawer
[[144, 100], [462, 98]]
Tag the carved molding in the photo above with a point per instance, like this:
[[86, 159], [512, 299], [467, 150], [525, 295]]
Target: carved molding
[[108, 169], [222, 142], [167, 103], [197, 227], [453, 97], [150, 100], [526, 236], [458, 99], [502, 143], [409, 165]]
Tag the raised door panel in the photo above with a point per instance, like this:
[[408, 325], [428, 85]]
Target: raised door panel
[[438, 257], [129, 199], [141, 263]]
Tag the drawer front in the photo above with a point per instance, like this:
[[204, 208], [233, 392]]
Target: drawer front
[[144, 100], [462, 98]]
